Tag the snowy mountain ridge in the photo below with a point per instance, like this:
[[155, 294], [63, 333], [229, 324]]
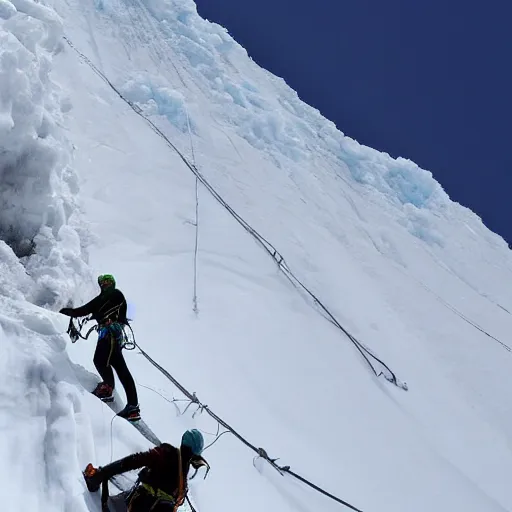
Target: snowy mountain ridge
[[87, 187]]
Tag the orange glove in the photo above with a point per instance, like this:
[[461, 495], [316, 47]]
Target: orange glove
[[93, 477]]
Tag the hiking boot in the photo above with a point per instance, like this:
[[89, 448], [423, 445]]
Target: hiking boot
[[130, 413], [104, 392]]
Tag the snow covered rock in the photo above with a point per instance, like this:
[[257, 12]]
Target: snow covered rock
[[35, 199]]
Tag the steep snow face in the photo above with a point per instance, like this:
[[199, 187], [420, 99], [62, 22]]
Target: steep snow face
[[377, 239], [411, 274], [37, 183], [41, 257], [174, 64]]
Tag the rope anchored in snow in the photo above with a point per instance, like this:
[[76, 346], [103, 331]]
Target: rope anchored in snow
[[465, 318], [196, 249], [196, 222], [475, 325], [260, 452], [368, 356], [286, 469]]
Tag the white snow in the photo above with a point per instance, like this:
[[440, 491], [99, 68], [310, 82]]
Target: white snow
[[86, 186]]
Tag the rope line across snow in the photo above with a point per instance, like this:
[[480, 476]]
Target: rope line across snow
[[386, 372], [260, 452]]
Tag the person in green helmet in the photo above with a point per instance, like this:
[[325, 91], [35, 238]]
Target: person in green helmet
[[162, 484], [109, 310]]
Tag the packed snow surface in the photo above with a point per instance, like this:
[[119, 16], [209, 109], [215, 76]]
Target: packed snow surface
[[88, 186]]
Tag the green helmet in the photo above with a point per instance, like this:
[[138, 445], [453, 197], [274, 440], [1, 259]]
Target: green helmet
[[106, 280]]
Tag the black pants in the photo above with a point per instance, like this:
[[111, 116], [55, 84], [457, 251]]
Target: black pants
[[108, 355]]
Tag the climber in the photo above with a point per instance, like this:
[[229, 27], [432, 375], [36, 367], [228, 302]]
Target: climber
[[162, 484], [109, 310]]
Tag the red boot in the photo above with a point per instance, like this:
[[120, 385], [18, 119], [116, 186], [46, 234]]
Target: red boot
[[104, 392]]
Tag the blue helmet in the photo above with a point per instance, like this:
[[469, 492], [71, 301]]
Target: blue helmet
[[194, 440]]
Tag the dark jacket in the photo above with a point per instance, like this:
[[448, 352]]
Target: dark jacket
[[109, 305], [162, 469], [161, 473]]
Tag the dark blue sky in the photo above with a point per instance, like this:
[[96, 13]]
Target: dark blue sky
[[430, 80]]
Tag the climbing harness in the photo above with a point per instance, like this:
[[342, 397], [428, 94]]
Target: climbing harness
[[125, 335], [175, 500]]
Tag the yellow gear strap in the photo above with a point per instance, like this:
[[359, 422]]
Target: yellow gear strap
[[161, 495]]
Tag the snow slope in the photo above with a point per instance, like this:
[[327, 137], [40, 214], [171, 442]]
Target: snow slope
[[88, 187]]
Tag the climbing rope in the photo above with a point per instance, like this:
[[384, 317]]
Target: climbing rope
[[260, 452], [190, 137], [196, 220], [386, 372], [196, 250], [75, 333], [461, 315], [504, 309], [475, 325], [193, 399]]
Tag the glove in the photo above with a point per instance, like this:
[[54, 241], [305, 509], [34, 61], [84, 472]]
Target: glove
[[66, 311], [93, 477]]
